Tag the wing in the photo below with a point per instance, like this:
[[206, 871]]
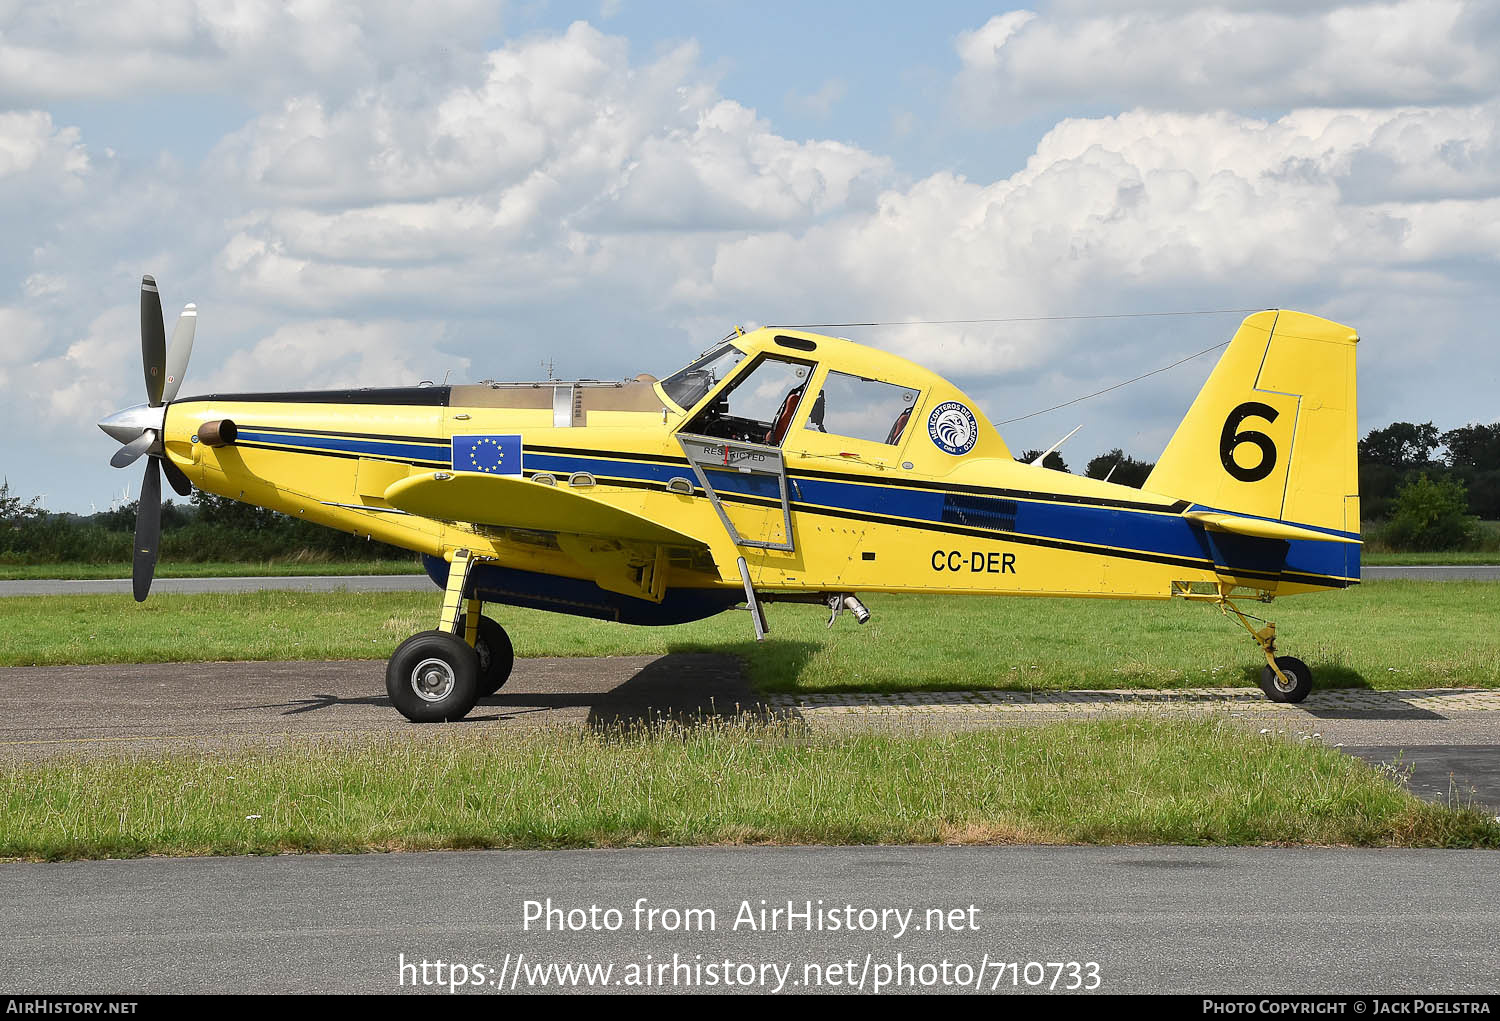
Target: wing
[[514, 502], [624, 551]]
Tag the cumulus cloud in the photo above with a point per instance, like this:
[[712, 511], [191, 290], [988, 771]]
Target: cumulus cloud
[[1146, 211], [1261, 56], [36, 155], [339, 353], [558, 126], [566, 199], [524, 179], [22, 338], [111, 48], [85, 380]]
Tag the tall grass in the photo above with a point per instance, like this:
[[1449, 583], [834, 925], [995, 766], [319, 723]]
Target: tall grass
[[1135, 781]]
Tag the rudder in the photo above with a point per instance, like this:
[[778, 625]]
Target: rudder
[[1273, 433]]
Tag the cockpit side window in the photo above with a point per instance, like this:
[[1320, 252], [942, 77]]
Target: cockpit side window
[[759, 406], [862, 409], [688, 386]]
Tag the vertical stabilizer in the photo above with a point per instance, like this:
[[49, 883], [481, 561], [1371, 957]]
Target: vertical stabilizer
[[1273, 433]]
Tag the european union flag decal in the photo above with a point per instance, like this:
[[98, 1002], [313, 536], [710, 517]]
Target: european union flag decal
[[493, 455]]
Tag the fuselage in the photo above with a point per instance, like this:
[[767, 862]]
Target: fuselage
[[898, 506]]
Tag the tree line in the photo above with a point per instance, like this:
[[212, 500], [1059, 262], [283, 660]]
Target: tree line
[[208, 528], [1115, 465]]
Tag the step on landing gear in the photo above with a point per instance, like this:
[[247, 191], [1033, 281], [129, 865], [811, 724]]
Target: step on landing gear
[[440, 675], [1283, 678]]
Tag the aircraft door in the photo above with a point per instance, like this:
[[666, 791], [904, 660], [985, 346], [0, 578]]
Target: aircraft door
[[734, 446]]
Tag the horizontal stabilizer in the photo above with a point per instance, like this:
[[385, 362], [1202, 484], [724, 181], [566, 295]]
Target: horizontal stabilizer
[[1217, 521], [510, 501]]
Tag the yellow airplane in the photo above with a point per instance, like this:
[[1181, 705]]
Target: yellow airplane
[[780, 465]]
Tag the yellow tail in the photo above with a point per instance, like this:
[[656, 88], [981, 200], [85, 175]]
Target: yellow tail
[[1273, 432]]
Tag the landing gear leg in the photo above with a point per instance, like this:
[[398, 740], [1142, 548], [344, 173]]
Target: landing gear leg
[[497, 657], [486, 637], [435, 675], [1283, 678]]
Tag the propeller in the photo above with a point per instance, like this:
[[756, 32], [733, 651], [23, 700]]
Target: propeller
[[139, 429], [126, 455]]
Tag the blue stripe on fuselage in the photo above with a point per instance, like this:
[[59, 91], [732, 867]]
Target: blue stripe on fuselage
[[378, 448], [1157, 533], [1161, 533]]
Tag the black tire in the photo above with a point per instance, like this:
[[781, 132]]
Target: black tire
[[497, 657], [1296, 671], [433, 676]]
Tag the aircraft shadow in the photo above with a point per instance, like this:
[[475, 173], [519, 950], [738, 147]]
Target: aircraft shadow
[[1323, 677], [690, 687], [314, 703], [1331, 679], [695, 685], [687, 686]]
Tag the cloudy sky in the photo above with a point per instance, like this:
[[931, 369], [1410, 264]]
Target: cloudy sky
[[373, 192]]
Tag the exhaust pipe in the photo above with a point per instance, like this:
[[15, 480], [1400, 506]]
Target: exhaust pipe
[[219, 433]]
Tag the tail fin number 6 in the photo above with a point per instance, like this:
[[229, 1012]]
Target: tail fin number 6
[[1229, 440]]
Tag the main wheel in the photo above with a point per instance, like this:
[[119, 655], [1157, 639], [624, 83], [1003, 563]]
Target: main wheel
[[497, 657], [433, 676], [1296, 671]]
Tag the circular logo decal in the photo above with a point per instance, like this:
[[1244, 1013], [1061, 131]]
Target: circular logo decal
[[953, 428]]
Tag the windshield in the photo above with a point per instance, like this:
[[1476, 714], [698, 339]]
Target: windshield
[[690, 385]]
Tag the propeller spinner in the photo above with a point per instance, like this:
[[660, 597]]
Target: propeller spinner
[[139, 428]]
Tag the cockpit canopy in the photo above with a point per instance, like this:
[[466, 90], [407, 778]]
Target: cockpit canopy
[[761, 402], [828, 397], [688, 386]]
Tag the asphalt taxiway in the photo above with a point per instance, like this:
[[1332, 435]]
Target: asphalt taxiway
[[1447, 739], [1149, 919], [91, 709]]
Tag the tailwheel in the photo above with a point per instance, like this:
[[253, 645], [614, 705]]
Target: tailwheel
[[1283, 678], [497, 657], [433, 676], [1293, 684]]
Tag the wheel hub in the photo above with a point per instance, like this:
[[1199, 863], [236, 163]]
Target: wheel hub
[[432, 680]]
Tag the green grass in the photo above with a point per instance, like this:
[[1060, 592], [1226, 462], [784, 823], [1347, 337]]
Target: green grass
[[1179, 782], [211, 569], [1392, 634]]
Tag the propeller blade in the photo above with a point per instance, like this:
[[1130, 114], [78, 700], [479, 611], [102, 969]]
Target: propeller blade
[[179, 352], [153, 341], [176, 478], [147, 531], [132, 450]]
